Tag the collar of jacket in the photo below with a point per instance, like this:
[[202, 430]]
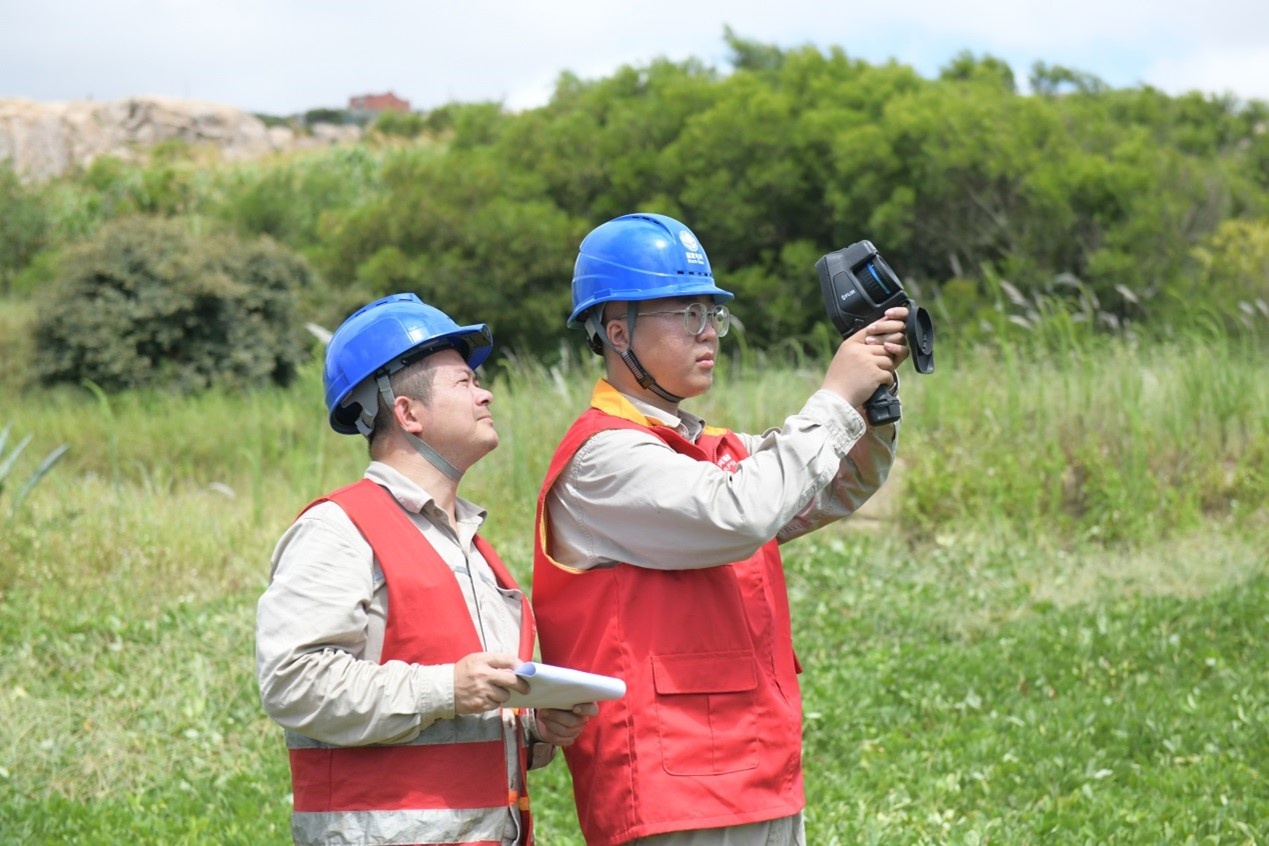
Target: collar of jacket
[[609, 400]]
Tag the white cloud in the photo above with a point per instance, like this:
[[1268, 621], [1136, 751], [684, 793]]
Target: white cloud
[[1243, 72], [289, 55]]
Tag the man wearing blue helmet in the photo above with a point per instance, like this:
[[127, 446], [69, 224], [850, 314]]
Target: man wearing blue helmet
[[387, 639], [656, 551]]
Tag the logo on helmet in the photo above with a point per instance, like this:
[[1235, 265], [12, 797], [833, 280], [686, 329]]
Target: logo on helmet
[[694, 253]]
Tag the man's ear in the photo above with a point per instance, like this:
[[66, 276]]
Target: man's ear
[[410, 415], [618, 334]]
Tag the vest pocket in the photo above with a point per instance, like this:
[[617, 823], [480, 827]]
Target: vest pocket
[[706, 706]]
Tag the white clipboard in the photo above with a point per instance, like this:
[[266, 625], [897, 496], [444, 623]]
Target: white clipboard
[[561, 687]]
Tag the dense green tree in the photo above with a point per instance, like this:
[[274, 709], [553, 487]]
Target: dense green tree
[[477, 242], [598, 145], [1076, 195], [477, 125], [965, 67], [752, 55], [758, 172]]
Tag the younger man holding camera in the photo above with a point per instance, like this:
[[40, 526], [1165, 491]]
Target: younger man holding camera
[[657, 556]]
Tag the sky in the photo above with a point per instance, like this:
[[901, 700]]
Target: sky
[[284, 57]]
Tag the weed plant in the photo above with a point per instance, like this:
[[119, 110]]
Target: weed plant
[[1052, 632]]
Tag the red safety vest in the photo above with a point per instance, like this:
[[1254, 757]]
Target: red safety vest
[[709, 733], [451, 784]]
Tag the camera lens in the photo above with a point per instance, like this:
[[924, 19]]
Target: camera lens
[[876, 285]]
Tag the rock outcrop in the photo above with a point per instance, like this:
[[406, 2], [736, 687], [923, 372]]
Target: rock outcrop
[[44, 140]]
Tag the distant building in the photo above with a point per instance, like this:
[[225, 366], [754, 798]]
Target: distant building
[[378, 103]]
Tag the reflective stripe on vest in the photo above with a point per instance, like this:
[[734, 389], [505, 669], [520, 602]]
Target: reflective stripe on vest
[[475, 828], [453, 783]]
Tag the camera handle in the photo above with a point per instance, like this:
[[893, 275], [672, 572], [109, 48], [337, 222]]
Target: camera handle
[[882, 407]]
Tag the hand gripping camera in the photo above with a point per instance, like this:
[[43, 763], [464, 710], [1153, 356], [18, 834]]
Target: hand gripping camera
[[858, 287]]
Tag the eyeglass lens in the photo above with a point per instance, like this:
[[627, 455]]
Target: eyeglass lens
[[695, 316]]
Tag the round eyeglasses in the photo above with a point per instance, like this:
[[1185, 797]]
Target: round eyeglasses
[[696, 315]]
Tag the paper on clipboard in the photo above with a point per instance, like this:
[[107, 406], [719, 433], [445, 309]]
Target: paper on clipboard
[[561, 687]]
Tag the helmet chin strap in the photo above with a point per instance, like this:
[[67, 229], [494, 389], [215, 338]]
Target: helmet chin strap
[[644, 378], [636, 368], [422, 447]]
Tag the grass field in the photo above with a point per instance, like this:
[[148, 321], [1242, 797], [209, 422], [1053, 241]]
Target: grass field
[[1051, 629]]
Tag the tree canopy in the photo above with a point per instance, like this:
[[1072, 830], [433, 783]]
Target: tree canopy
[[1131, 196]]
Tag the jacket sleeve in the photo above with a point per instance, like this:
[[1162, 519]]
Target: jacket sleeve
[[318, 645], [861, 474], [626, 496]]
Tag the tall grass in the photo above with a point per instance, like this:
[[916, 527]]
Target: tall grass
[[1117, 440], [1055, 636]]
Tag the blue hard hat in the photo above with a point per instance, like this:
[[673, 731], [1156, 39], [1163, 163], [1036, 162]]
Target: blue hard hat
[[383, 337], [640, 257]]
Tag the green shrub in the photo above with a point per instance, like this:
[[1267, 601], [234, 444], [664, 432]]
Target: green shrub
[[24, 225], [150, 302], [1233, 277], [399, 124]]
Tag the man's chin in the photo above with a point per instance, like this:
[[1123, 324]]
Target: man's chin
[[699, 384]]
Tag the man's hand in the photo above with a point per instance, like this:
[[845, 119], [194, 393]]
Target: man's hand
[[559, 727], [867, 360], [484, 680], [885, 333]]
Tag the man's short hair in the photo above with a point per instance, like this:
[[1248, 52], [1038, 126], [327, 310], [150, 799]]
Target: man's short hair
[[413, 381]]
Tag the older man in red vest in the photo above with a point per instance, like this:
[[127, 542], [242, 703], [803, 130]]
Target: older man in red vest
[[389, 634]]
